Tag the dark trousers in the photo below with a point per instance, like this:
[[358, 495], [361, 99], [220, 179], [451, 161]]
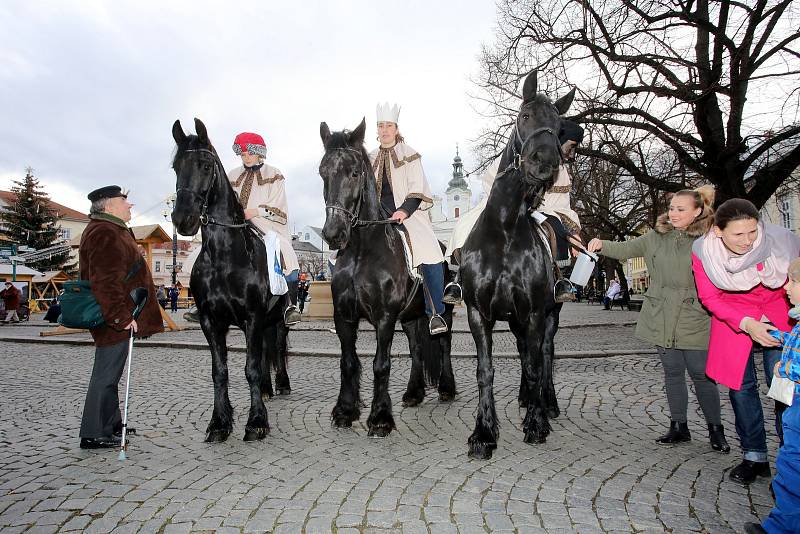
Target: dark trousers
[[174, 304], [785, 517], [101, 410], [747, 409], [676, 362]]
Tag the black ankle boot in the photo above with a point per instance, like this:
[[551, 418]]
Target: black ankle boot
[[716, 435], [452, 293], [677, 433]]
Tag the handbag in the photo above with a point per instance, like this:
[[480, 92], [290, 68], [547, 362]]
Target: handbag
[[79, 308], [782, 390]]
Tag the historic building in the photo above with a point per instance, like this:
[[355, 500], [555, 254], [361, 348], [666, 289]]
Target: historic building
[[458, 200]]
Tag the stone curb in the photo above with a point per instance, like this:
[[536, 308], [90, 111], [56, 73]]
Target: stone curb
[[328, 353]]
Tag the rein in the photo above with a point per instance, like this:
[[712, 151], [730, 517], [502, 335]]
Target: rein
[[355, 222], [205, 219]]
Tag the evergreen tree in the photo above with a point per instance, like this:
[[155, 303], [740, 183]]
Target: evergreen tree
[[30, 220]]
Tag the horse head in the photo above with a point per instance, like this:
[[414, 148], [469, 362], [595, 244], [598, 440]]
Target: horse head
[[196, 167], [346, 175], [535, 148]]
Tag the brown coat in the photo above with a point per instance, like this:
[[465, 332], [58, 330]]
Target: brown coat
[[108, 251], [11, 298]]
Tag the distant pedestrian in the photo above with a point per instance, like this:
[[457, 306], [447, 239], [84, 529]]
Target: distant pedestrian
[[11, 297], [614, 289], [53, 311], [161, 295], [302, 292], [174, 293]]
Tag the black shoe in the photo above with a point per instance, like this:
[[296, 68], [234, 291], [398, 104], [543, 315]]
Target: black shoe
[[754, 528], [437, 325], [107, 442], [192, 316], [291, 315], [747, 471], [452, 293], [716, 435], [677, 433], [564, 291]]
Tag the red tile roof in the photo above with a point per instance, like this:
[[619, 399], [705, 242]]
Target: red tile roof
[[63, 212]]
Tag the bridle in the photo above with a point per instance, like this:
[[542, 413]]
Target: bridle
[[205, 219], [355, 222]]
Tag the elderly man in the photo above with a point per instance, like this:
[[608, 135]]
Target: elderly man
[[111, 262]]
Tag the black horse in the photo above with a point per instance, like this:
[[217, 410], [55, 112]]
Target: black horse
[[507, 274], [229, 282], [372, 281]]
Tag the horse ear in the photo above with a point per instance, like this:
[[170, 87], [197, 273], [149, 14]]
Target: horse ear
[[563, 103], [324, 133], [356, 137], [529, 88], [200, 128], [177, 133]]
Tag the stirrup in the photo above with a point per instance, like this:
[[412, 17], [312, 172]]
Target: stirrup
[[453, 294], [437, 325], [291, 315]]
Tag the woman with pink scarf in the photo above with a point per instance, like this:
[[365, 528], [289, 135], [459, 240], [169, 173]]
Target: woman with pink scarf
[[740, 267]]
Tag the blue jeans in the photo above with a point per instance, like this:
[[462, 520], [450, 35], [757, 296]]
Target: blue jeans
[[747, 409], [433, 287], [785, 517]]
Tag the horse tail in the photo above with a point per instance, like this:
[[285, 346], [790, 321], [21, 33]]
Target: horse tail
[[431, 353]]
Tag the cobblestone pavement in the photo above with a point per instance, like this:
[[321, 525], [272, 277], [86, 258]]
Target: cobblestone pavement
[[598, 472], [603, 332]]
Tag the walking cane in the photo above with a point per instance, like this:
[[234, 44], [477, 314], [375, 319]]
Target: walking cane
[[139, 297]]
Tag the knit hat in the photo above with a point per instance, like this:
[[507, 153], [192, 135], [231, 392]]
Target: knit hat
[[249, 142], [794, 270]]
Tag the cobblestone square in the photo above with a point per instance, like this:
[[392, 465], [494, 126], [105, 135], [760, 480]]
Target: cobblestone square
[[599, 471]]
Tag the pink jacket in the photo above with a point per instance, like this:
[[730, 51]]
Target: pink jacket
[[729, 347]]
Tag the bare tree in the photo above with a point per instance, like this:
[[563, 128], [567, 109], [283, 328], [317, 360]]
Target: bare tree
[[710, 85]]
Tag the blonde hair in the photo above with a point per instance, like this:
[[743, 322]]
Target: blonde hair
[[704, 199]]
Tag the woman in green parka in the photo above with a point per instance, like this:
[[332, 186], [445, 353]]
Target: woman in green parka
[[672, 317]]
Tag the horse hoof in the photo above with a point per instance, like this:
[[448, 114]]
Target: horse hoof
[[255, 434], [481, 451], [217, 436], [536, 437], [284, 391], [553, 413], [446, 397], [379, 431], [410, 401], [342, 422]]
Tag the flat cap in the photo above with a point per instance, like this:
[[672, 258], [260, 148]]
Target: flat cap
[[109, 191]]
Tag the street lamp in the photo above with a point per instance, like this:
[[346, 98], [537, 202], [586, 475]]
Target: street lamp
[[170, 201]]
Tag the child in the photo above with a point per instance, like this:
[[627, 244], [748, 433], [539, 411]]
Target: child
[[785, 517]]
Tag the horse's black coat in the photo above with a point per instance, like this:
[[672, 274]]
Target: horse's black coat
[[507, 275], [228, 281], [371, 281]]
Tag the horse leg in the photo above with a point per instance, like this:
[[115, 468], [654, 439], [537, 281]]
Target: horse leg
[[548, 361], [380, 421], [535, 426], [447, 380], [257, 426], [267, 361], [282, 383], [347, 408], [484, 438], [221, 424], [415, 390], [522, 348]]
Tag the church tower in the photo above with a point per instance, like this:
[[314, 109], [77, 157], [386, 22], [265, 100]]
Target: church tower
[[459, 196]]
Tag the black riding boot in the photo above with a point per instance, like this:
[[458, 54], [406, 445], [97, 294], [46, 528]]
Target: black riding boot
[[291, 315], [677, 433], [452, 292], [716, 435]]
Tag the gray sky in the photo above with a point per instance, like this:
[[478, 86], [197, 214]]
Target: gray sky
[[89, 90]]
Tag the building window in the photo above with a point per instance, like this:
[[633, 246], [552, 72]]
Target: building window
[[785, 209], [308, 236], [158, 267], [66, 234], [457, 210]]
